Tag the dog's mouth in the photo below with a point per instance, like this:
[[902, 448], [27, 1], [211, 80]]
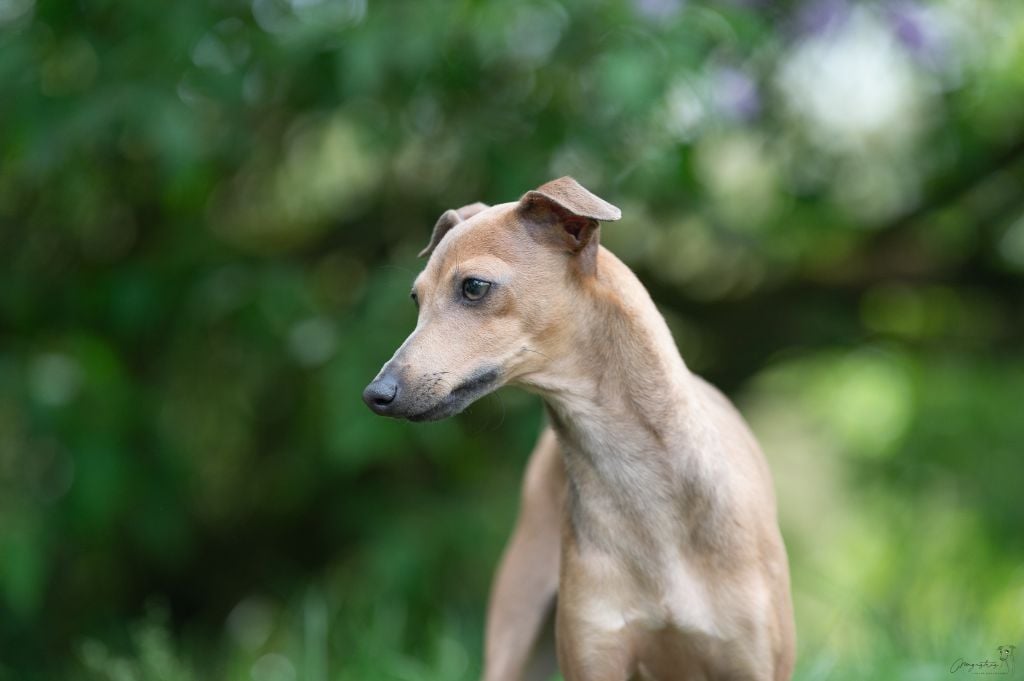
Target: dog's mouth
[[473, 388]]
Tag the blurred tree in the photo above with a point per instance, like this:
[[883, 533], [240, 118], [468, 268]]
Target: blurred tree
[[208, 220]]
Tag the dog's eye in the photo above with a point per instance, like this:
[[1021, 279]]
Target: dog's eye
[[475, 289], [415, 298]]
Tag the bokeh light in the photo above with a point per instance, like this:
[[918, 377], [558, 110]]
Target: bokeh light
[[209, 215]]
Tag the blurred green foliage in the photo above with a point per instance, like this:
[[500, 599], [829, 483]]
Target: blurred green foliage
[[208, 220]]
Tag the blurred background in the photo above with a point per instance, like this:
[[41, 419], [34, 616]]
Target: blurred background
[[209, 215]]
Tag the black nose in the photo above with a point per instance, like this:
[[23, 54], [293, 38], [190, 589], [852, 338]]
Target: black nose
[[381, 393]]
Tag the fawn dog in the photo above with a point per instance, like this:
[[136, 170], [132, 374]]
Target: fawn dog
[[647, 506]]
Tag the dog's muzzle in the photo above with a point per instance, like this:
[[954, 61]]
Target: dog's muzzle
[[390, 395]]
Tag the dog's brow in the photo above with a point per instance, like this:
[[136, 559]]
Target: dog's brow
[[490, 267]]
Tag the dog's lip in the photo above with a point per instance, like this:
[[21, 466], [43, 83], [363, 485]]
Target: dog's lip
[[473, 388]]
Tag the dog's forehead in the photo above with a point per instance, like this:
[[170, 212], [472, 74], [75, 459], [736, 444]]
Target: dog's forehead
[[489, 232]]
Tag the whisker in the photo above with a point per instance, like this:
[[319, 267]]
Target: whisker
[[529, 349]]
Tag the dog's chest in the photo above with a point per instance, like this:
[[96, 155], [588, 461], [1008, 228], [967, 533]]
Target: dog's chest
[[671, 596], [624, 497]]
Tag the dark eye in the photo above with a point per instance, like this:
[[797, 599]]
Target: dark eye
[[415, 298], [475, 289]]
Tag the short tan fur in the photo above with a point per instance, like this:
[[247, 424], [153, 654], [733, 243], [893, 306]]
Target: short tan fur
[[647, 506]]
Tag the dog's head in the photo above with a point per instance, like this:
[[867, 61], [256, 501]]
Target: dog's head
[[494, 299]]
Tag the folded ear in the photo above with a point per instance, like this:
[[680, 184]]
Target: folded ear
[[568, 204], [449, 219]]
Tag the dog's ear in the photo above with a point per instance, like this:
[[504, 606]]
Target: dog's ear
[[449, 219], [568, 204]]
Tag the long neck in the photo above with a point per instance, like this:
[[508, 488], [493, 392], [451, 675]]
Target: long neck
[[638, 451], [621, 368]]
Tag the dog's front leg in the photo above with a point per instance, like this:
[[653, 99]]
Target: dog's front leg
[[526, 583], [593, 639]]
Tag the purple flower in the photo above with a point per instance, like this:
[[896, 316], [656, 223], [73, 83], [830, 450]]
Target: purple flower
[[821, 16], [735, 94], [919, 30], [907, 25]]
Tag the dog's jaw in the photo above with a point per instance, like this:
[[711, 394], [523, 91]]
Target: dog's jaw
[[480, 383]]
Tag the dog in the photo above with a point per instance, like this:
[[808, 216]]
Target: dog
[[647, 508]]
